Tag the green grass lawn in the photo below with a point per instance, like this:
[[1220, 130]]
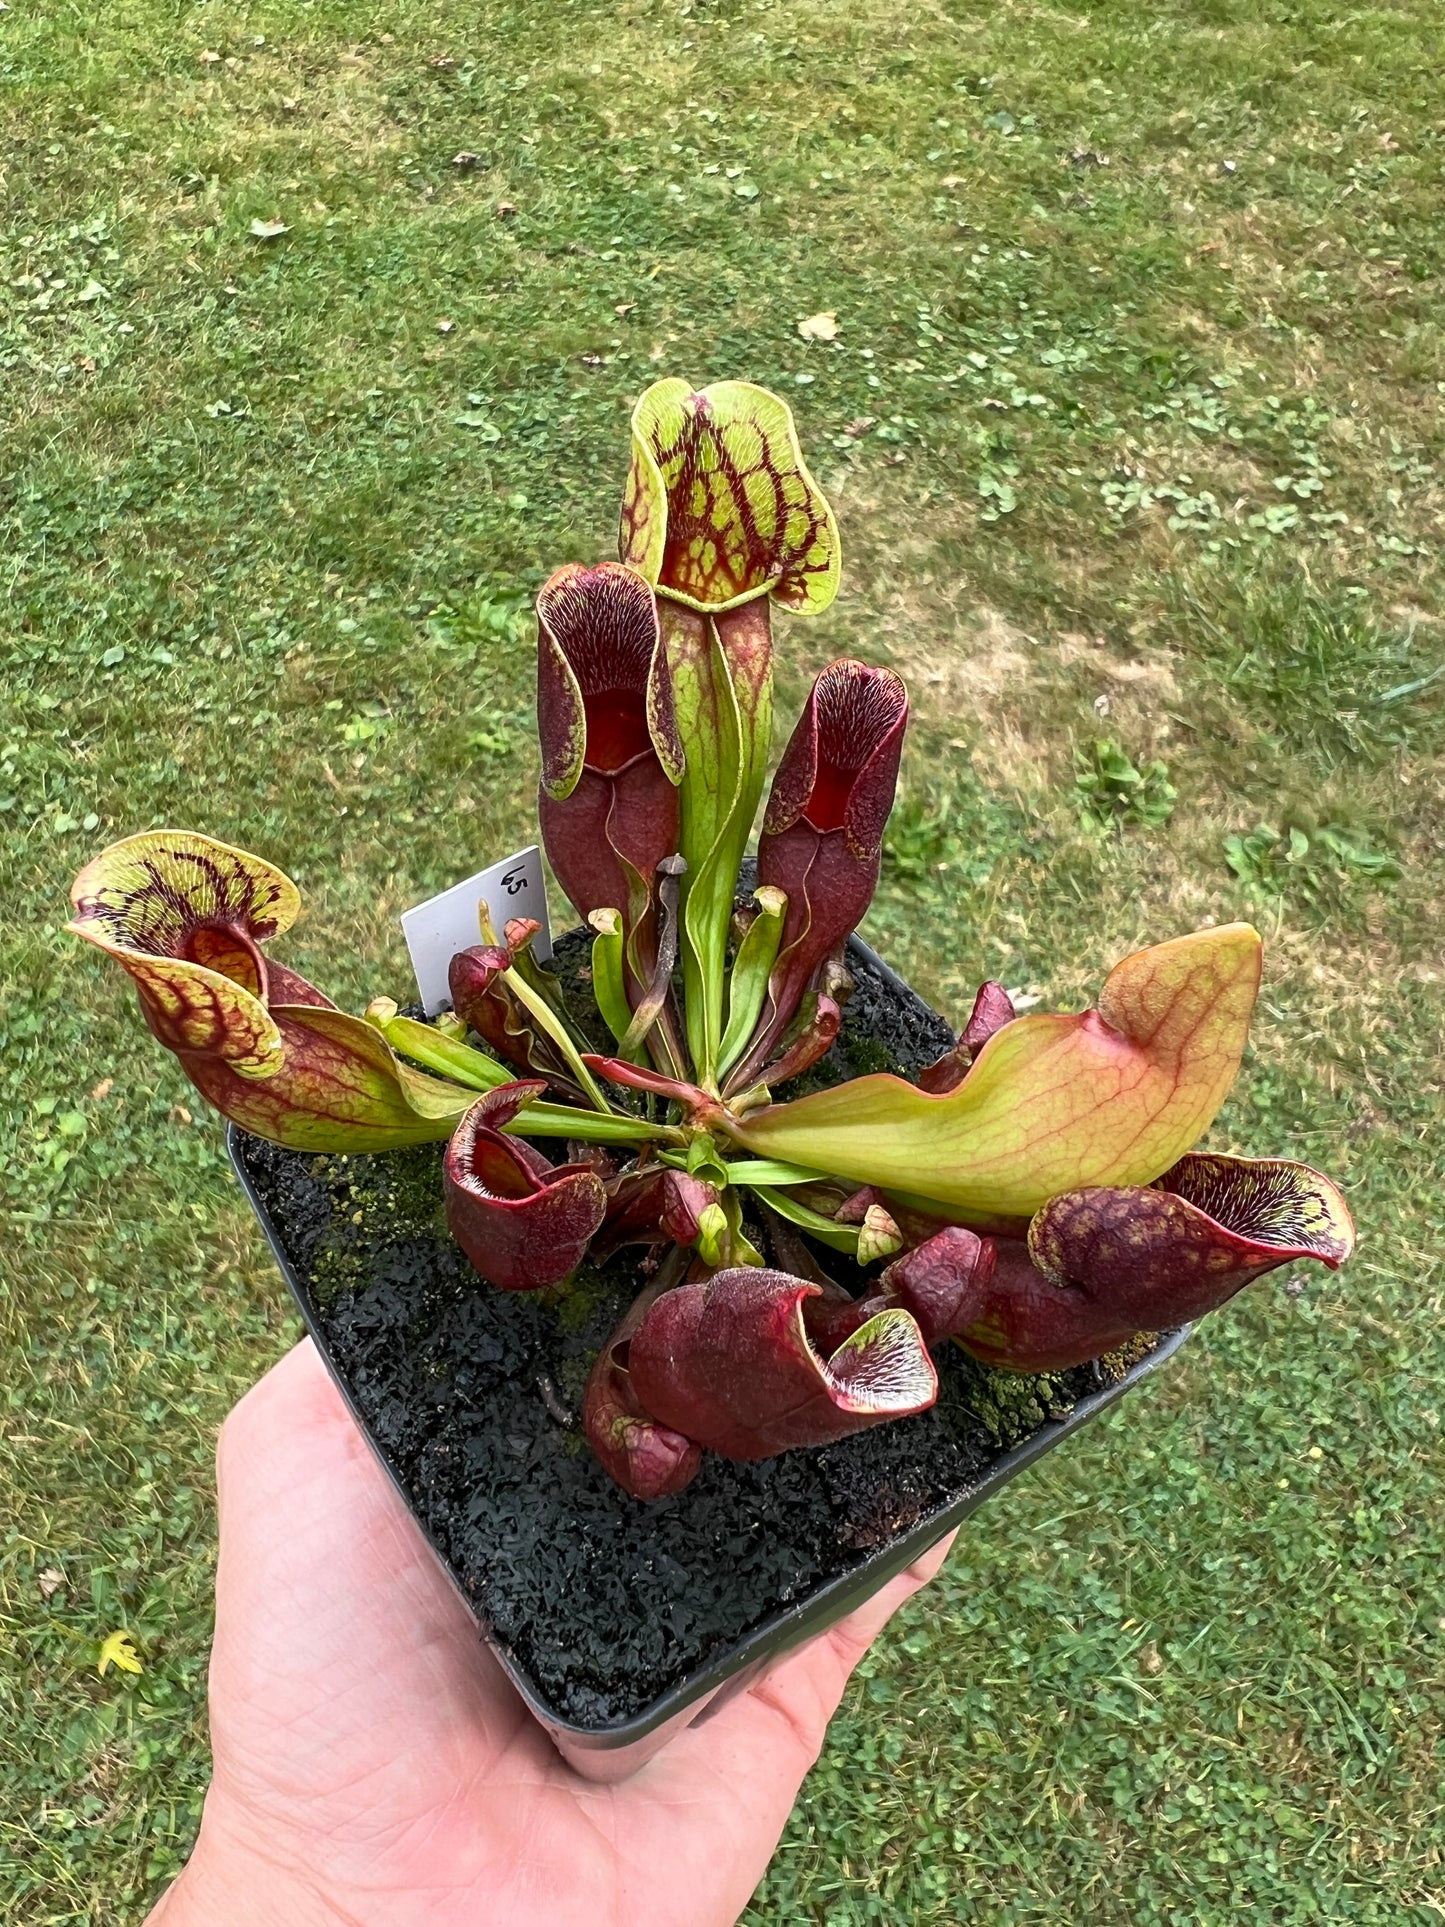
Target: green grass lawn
[[1133, 426]]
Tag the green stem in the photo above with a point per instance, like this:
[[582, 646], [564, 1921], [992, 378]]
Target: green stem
[[474, 1070], [762, 1173], [425, 1046], [842, 1237], [591, 1127], [608, 974], [748, 985], [557, 1031]]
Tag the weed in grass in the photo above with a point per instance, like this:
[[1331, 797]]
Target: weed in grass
[[1111, 790], [1268, 860], [956, 838]]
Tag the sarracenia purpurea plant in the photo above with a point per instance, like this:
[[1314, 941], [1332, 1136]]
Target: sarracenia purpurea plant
[[1035, 1195]]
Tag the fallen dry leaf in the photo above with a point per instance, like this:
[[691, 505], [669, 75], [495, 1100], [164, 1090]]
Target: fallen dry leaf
[[269, 230], [860, 426], [819, 327], [103, 1089], [591, 361], [178, 1114], [623, 309], [210, 58], [466, 160], [951, 181], [506, 211], [50, 1580], [444, 327]]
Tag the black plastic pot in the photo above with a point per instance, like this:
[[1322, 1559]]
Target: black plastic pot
[[612, 1752]]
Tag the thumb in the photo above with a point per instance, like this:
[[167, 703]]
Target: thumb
[[785, 1714], [803, 1690]]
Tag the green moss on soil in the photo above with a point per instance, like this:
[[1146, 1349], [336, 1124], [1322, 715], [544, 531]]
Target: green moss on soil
[[866, 1055], [580, 1300], [1013, 1405]]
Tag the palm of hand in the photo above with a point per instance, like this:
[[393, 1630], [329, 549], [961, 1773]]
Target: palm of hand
[[373, 1765]]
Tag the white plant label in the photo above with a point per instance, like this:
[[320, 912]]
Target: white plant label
[[437, 929]]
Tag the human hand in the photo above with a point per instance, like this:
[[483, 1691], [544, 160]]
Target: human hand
[[375, 1768]]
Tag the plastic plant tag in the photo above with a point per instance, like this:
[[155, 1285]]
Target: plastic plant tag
[[437, 929]]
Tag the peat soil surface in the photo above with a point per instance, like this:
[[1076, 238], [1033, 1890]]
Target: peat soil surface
[[473, 1395]]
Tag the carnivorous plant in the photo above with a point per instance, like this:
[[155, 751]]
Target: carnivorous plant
[[1034, 1196]]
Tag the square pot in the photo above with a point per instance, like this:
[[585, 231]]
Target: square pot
[[440, 1374]]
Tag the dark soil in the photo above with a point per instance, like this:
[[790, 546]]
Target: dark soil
[[472, 1394]]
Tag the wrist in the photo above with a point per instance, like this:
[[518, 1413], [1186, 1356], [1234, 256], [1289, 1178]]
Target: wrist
[[225, 1883]]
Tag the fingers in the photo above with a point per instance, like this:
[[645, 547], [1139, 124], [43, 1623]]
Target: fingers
[[804, 1689], [779, 1724], [308, 1516], [337, 1633], [729, 1784], [314, 1541], [853, 1636], [295, 1401]]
